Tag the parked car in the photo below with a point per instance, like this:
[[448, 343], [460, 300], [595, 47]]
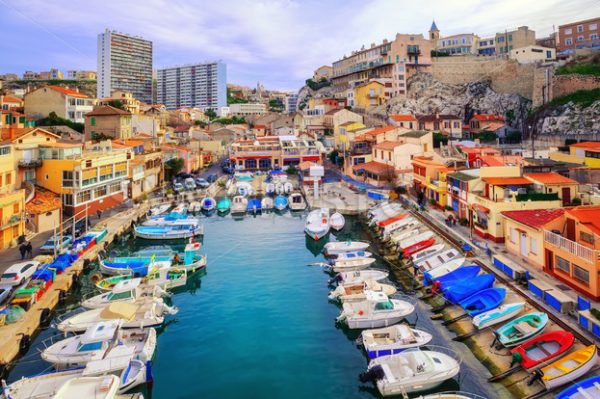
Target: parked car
[[5, 293], [183, 175], [189, 183], [50, 245], [212, 178], [202, 183], [18, 273], [178, 187]]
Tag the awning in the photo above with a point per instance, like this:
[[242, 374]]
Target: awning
[[311, 158], [480, 208]]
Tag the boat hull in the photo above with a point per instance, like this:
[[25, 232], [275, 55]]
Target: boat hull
[[573, 375], [493, 317]]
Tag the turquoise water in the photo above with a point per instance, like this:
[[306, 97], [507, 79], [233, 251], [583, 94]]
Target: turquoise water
[[259, 325]]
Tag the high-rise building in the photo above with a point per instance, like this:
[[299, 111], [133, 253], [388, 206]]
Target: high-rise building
[[125, 64], [198, 85], [291, 103]]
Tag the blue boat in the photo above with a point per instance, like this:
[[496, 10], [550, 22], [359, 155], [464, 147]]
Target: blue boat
[[464, 289], [254, 205], [174, 232], [208, 204], [460, 274], [281, 202], [483, 301], [588, 388]]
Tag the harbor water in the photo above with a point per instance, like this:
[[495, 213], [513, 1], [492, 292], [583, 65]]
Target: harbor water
[[258, 324]]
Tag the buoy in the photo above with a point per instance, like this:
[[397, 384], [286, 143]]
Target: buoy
[[360, 312]]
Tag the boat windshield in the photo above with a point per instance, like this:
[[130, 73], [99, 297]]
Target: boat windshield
[[388, 305], [91, 346], [119, 295]]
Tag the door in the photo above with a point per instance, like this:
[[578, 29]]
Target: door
[[571, 229], [523, 244], [549, 260], [566, 195]]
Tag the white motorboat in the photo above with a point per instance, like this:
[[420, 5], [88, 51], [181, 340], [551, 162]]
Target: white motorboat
[[159, 210], [394, 339], [413, 370], [270, 188], [400, 235], [279, 189], [167, 222], [437, 259], [349, 265], [338, 247], [146, 314], [427, 252], [495, 316], [288, 187], [195, 206], [377, 310], [297, 202], [97, 342], [239, 204], [317, 224], [266, 203], [356, 291], [384, 211], [407, 242], [89, 387], [171, 232], [407, 223], [445, 268], [360, 276], [337, 221], [208, 204], [129, 290], [244, 189], [164, 277], [354, 255]]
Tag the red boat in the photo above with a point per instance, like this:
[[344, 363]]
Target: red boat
[[542, 348], [421, 245], [389, 221]]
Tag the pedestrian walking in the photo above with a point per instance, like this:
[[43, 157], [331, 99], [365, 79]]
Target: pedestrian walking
[[29, 249], [99, 214], [23, 250]]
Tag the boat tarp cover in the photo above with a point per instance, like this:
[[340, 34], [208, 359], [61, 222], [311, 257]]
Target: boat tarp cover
[[118, 310]]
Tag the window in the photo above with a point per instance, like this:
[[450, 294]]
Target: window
[[580, 39], [84, 196], [67, 178], [579, 28], [92, 346], [513, 235], [100, 192], [548, 54], [67, 199], [593, 26], [568, 41], [16, 208], [593, 36], [586, 237], [568, 31], [114, 188], [9, 178], [4, 150], [581, 274], [533, 246], [563, 265]]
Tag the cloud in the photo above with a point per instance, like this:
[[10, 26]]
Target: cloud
[[277, 42]]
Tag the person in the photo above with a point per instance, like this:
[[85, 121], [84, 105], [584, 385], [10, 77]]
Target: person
[[99, 214], [29, 249], [176, 259], [23, 250]]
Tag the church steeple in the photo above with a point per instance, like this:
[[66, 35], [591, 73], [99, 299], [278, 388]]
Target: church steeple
[[434, 32]]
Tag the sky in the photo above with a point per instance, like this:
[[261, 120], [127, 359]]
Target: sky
[[276, 42]]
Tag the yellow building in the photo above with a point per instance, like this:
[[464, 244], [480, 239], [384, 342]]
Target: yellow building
[[551, 182], [12, 200], [585, 153], [430, 176], [367, 95], [145, 169]]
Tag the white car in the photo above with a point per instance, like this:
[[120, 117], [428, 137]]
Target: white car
[[18, 273]]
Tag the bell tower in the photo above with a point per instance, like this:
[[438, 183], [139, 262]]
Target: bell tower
[[434, 32]]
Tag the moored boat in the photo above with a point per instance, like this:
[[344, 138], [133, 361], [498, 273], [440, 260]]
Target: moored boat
[[483, 301], [223, 205], [166, 278], [521, 329], [377, 310], [359, 276], [337, 221], [174, 232], [354, 255], [460, 274], [569, 368], [437, 259], [297, 202], [542, 348], [239, 204], [427, 253], [498, 315], [254, 206], [338, 247], [410, 241], [208, 204], [130, 290], [195, 206], [417, 247], [443, 269], [394, 339], [348, 265], [357, 291], [267, 203], [281, 202], [464, 289], [159, 209], [585, 389], [317, 223]]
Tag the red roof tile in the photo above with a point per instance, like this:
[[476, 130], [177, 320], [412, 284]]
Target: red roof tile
[[7, 99], [488, 117], [68, 92], [507, 181], [591, 145], [550, 178], [374, 167], [589, 216], [380, 130], [387, 145], [535, 217], [404, 118]]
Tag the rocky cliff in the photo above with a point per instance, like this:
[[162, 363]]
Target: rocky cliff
[[570, 120]]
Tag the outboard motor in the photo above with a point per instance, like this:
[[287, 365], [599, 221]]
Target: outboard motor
[[373, 374], [335, 280], [537, 374]]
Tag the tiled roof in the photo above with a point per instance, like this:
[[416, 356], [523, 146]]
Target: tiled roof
[[462, 176], [332, 111], [106, 110], [67, 92], [387, 145], [404, 118], [42, 202], [589, 216], [534, 217], [417, 134], [487, 117], [436, 117], [588, 145], [550, 178], [492, 126], [7, 99], [374, 167], [507, 181], [501, 160], [380, 130], [479, 150]]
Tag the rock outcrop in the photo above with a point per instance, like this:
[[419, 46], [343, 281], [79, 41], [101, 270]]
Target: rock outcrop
[[569, 119]]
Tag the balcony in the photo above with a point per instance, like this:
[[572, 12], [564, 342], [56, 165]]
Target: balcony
[[413, 50], [30, 163], [10, 221], [578, 250]]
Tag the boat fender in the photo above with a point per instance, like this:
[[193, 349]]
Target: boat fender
[[536, 374], [45, 316], [517, 358], [24, 343], [360, 312], [373, 374], [95, 278]]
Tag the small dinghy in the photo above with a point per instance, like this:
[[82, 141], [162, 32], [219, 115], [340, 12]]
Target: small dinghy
[[354, 255], [270, 188], [392, 219], [338, 247], [542, 348], [417, 247], [391, 340], [254, 206], [129, 290], [89, 387], [97, 342], [498, 315], [239, 204], [146, 314], [385, 212], [208, 204], [173, 232], [410, 241], [279, 189], [586, 389], [427, 253], [459, 291], [460, 274], [437, 259], [281, 202], [224, 205], [521, 329], [483, 301], [452, 395], [377, 310], [159, 210], [411, 371], [568, 368], [337, 221], [443, 270], [267, 203], [359, 276], [165, 277], [287, 187], [356, 292], [317, 224], [297, 202], [350, 265], [244, 189], [401, 235]]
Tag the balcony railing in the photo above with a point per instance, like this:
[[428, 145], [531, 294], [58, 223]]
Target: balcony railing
[[30, 163], [11, 220], [585, 253]]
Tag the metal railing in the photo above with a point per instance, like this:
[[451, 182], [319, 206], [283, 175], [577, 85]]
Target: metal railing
[[30, 163], [585, 253]]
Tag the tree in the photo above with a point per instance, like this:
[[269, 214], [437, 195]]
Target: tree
[[210, 113], [202, 124], [291, 170], [54, 120], [438, 139], [117, 104], [98, 137], [173, 167]]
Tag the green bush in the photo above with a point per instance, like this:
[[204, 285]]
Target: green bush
[[448, 208], [595, 312], [291, 170], [584, 98], [576, 201], [537, 197], [582, 68], [432, 201], [485, 136]]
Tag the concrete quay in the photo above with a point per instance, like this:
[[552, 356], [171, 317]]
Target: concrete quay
[[337, 197]]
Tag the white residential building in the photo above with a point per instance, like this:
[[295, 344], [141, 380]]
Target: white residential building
[[291, 103], [247, 109]]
